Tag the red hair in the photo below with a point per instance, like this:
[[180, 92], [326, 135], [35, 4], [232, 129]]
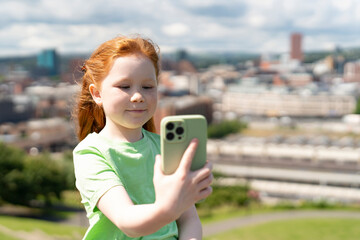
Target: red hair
[[90, 116]]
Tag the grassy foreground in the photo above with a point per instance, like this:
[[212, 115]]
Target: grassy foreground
[[227, 212], [302, 229], [299, 229], [26, 228]]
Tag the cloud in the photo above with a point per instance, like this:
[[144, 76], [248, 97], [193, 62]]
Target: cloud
[[234, 25], [343, 5], [176, 29], [256, 20], [220, 11]]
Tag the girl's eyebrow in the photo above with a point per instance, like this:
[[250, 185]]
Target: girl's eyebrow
[[149, 80], [122, 79]]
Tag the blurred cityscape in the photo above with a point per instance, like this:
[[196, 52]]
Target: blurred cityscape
[[302, 139]]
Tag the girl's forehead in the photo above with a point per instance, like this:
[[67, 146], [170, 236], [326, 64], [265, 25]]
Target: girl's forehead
[[131, 66], [133, 59]]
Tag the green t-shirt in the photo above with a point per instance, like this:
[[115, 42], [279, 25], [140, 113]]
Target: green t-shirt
[[101, 164]]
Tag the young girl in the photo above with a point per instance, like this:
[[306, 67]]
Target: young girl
[[117, 163]]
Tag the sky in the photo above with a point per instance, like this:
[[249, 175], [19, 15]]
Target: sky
[[254, 26]]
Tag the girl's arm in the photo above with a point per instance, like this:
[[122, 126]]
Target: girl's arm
[[189, 225], [174, 195], [133, 220]]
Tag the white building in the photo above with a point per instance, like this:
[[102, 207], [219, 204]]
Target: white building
[[273, 104]]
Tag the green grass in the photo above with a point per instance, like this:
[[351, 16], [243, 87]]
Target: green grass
[[300, 229], [227, 212], [32, 225], [61, 231], [71, 198], [6, 237]]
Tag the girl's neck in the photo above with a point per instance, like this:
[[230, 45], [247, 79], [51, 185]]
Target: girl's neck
[[120, 133]]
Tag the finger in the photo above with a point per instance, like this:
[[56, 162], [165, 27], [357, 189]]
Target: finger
[[209, 164], [202, 173], [188, 155], [204, 193], [206, 182]]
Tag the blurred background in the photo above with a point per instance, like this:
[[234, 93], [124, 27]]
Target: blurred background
[[278, 82]]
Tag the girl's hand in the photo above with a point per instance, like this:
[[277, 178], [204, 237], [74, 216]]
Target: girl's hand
[[179, 191]]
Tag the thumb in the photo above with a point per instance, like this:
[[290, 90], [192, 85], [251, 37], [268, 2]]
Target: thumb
[[188, 155]]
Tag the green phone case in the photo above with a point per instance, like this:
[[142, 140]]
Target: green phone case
[[176, 132]]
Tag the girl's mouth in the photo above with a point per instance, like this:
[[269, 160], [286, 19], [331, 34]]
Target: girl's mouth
[[136, 110]]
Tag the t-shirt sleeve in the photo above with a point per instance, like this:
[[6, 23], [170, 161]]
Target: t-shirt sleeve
[[94, 175]]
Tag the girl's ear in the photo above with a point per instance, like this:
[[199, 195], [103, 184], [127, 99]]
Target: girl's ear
[[95, 93]]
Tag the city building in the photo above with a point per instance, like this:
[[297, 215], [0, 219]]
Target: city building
[[55, 101], [48, 62], [296, 46], [37, 135], [352, 72], [16, 108], [293, 105], [296, 79]]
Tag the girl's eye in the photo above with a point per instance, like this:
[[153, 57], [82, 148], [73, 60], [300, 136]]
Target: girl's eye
[[148, 87], [124, 87]]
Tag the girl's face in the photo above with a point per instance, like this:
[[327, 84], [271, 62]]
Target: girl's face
[[128, 94]]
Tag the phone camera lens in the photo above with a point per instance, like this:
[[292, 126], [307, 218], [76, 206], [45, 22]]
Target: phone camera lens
[[170, 136], [170, 126], [180, 130]]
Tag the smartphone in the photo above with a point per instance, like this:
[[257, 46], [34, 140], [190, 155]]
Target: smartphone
[[176, 133]]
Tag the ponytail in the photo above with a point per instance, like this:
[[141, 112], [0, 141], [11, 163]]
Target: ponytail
[[150, 125], [91, 117]]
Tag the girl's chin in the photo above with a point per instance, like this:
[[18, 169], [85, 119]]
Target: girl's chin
[[134, 125]]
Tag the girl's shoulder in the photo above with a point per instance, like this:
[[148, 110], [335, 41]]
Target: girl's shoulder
[[94, 141], [90, 141], [153, 141], [152, 136]]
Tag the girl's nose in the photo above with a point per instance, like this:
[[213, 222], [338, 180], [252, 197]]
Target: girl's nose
[[137, 97]]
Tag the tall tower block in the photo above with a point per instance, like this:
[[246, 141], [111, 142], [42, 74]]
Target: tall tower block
[[295, 46], [48, 60]]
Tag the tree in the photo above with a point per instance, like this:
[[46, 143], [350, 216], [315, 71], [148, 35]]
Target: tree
[[24, 179], [12, 182], [224, 128], [357, 108], [46, 178]]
